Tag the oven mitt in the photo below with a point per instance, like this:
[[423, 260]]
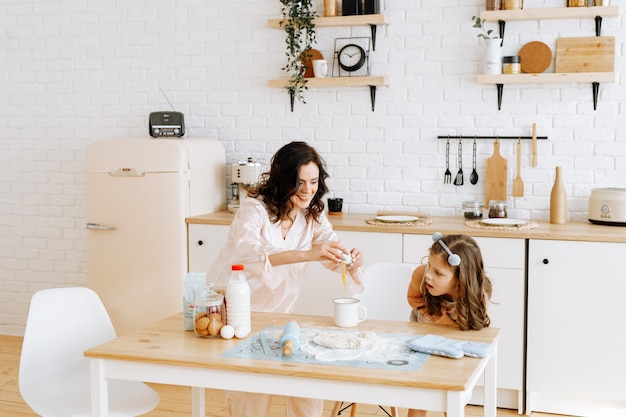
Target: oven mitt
[[450, 348]]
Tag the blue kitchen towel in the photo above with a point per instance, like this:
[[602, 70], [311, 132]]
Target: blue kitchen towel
[[450, 348]]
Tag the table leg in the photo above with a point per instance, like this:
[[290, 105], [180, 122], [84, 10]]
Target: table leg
[[99, 391], [197, 402], [455, 404], [491, 390]]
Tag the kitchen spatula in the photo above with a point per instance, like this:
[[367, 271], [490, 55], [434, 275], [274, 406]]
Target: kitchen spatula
[[518, 184]]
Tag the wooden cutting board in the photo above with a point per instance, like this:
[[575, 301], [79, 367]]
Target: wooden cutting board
[[586, 54], [496, 176]]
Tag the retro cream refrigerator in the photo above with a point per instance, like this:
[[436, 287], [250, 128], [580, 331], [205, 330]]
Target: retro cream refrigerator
[[139, 192]]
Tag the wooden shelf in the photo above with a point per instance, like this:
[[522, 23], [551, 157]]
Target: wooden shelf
[[595, 78], [550, 13], [371, 20], [545, 78], [371, 82], [335, 82], [359, 20]]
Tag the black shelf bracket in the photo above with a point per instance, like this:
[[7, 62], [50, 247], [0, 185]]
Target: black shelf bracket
[[598, 25], [292, 99], [500, 88], [501, 26], [373, 29], [595, 86], [373, 96]]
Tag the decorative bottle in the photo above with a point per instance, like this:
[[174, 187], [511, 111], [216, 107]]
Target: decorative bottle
[[558, 200], [238, 301], [330, 8]]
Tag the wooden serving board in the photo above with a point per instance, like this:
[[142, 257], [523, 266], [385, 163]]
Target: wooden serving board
[[495, 176], [585, 54], [307, 61]]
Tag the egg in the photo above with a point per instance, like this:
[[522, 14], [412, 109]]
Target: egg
[[227, 332], [242, 331]]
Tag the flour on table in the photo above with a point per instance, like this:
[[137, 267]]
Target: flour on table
[[345, 340]]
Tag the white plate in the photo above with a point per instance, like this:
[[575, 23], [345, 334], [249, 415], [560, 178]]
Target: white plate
[[503, 222], [397, 219]]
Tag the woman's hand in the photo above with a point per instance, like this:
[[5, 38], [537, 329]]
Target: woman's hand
[[328, 250], [357, 259]]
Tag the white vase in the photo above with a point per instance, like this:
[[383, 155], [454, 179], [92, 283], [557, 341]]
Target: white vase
[[492, 62]]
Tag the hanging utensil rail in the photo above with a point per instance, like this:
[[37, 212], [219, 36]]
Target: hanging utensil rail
[[490, 137]]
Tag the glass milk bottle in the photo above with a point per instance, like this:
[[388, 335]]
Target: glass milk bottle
[[238, 301], [208, 313]]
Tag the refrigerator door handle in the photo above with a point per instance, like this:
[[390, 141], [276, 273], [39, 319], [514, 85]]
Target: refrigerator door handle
[[97, 226]]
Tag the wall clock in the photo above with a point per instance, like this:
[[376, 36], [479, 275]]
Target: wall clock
[[351, 57]]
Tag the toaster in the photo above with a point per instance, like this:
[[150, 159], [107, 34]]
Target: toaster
[[607, 206]]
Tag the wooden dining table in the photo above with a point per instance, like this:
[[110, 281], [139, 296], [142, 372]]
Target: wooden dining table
[[165, 353]]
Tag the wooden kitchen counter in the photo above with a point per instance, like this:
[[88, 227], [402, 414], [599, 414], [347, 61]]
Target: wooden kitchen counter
[[575, 231]]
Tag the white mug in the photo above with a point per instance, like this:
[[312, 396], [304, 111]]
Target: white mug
[[320, 68], [348, 312]]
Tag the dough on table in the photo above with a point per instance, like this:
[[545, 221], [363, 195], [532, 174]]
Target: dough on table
[[345, 340]]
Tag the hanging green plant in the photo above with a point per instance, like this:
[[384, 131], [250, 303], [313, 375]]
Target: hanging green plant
[[298, 23]]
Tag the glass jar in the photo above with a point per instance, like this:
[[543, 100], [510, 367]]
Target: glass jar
[[493, 5], [511, 64], [208, 313], [497, 209], [577, 3], [513, 4], [473, 210]]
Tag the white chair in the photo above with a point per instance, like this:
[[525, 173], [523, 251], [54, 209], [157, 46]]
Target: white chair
[[386, 285], [54, 375]]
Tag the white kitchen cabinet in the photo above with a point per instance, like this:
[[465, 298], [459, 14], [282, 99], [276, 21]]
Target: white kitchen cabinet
[[322, 285], [204, 242], [576, 338], [504, 261]]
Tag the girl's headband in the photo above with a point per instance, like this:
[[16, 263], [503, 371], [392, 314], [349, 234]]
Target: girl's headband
[[453, 258]]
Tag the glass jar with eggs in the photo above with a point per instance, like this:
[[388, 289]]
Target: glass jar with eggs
[[208, 313]]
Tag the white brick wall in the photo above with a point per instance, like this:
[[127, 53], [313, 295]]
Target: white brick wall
[[72, 71]]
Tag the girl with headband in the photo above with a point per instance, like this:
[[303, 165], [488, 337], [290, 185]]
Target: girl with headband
[[451, 288]]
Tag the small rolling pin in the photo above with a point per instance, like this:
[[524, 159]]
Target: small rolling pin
[[289, 340]]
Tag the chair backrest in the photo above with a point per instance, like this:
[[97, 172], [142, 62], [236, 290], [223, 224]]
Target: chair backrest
[[386, 286], [62, 323]]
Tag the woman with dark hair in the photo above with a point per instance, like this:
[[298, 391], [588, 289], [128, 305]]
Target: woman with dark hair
[[279, 228]]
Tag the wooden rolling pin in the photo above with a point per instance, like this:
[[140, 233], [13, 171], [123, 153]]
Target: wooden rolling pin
[[289, 340]]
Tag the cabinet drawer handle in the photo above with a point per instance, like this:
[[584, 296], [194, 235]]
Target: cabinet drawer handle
[[200, 243], [545, 261]]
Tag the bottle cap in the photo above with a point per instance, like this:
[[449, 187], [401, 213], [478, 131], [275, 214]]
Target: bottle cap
[[237, 267]]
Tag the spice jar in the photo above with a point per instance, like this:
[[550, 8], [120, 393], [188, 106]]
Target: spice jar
[[473, 210], [513, 4], [497, 209], [493, 5], [577, 3], [511, 64], [208, 313]]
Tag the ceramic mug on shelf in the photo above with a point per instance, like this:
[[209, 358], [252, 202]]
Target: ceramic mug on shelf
[[320, 68], [348, 312]]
